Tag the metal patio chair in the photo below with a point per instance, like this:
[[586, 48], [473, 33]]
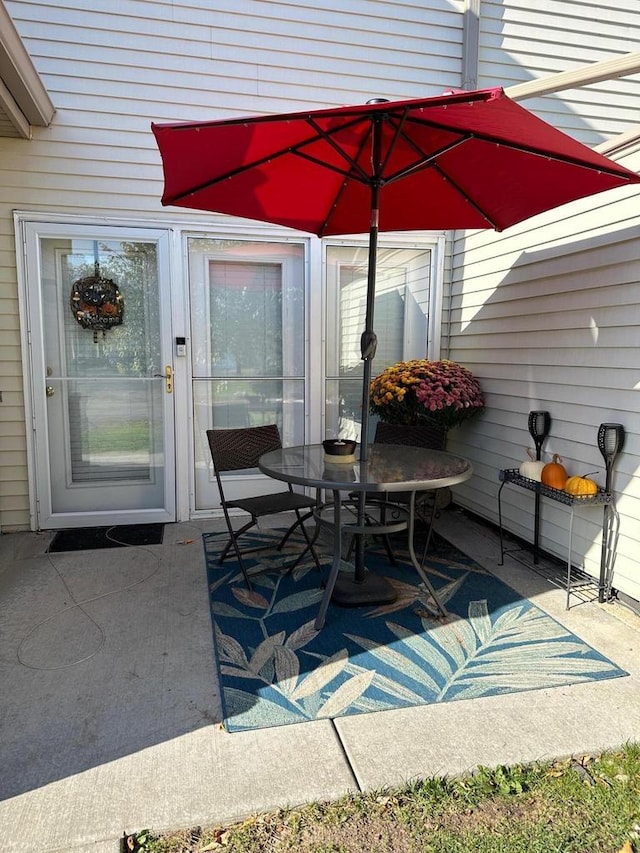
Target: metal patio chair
[[238, 450]]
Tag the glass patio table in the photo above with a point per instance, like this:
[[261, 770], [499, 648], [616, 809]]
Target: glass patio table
[[389, 468]]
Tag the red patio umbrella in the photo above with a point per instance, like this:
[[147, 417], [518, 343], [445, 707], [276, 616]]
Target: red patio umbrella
[[459, 160]]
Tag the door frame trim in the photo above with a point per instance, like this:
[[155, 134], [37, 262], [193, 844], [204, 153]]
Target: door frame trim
[[27, 311], [176, 230]]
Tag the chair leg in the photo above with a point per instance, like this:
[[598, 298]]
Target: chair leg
[[300, 519], [290, 530], [233, 535], [309, 547], [233, 542]]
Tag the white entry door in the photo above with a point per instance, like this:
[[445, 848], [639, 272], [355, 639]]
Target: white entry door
[[100, 346]]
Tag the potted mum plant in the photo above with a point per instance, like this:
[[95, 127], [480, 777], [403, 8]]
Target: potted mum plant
[[422, 392]]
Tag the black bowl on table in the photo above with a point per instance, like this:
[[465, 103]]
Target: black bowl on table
[[339, 449], [339, 446]]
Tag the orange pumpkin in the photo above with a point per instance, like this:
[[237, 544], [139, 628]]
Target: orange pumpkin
[[581, 486], [554, 473]]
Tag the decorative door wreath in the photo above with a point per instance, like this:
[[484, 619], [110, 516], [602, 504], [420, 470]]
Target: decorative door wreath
[[96, 303]]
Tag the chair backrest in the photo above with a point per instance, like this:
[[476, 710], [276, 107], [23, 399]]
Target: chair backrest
[[420, 435], [234, 449]]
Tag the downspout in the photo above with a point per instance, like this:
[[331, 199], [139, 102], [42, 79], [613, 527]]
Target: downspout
[[469, 74], [470, 44]]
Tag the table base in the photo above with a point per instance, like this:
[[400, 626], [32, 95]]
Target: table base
[[372, 589]]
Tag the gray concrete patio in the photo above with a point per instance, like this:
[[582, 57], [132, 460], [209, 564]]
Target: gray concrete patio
[[110, 717]]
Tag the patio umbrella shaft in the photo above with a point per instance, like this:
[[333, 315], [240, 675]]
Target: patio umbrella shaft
[[368, 346], [368, 341]]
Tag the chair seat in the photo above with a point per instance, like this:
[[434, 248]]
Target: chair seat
[[273, 503]]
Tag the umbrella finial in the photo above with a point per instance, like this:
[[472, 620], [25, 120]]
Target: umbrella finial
[[378, 101]]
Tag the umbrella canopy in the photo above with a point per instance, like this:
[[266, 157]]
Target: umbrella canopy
[[461, 160]]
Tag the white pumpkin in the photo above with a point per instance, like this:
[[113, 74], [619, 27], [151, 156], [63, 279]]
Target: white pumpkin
[[531, 467]]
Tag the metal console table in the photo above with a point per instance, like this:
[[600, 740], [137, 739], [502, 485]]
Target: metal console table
[[603, 499]]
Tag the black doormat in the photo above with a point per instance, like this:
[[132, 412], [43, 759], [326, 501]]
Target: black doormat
[[91, 538]]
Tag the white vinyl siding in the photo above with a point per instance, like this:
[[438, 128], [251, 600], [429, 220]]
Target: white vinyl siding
[[111, 68], [522, 41], [111, 73], [547, 314]]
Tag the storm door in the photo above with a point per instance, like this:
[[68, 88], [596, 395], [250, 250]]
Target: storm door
[[248, 348], [101, 373]]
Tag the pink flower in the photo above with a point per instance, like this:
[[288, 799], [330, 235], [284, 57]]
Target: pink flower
[[439, 391]]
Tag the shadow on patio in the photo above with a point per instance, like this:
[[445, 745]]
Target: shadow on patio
[[110, 718]]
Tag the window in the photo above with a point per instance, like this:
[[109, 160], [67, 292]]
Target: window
[[400, 322]]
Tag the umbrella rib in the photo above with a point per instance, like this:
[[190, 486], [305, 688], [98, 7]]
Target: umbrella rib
[[467, 198], [398, 124], [425, 161], [430, 161], [525, 149], [361, 176], [289, 149], [328, 138]]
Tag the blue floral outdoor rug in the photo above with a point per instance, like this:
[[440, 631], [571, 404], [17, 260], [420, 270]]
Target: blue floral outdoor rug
[[275, 669]]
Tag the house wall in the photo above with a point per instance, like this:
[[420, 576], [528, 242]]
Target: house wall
[[111, 68], [547, 315], [519, 42]]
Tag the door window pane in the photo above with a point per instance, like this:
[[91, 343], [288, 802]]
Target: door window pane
[[105, 407], [400, 323], [245, 310], [114, 430], [248, 343]]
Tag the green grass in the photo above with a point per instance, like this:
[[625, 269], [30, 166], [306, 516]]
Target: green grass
[[587, 805], [124, 436]]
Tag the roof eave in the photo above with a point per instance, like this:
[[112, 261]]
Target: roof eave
[[23, 96]]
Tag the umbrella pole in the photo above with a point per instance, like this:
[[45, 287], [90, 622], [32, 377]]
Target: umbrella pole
[[367, 588], [368, 344]]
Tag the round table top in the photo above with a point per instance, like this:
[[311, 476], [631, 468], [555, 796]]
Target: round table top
[[388, 468]]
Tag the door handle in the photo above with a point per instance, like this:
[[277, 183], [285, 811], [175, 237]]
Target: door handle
[[50, 390], [168, 378]]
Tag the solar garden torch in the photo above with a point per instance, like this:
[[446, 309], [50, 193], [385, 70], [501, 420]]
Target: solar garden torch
[[539, 426], [610, 443]]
